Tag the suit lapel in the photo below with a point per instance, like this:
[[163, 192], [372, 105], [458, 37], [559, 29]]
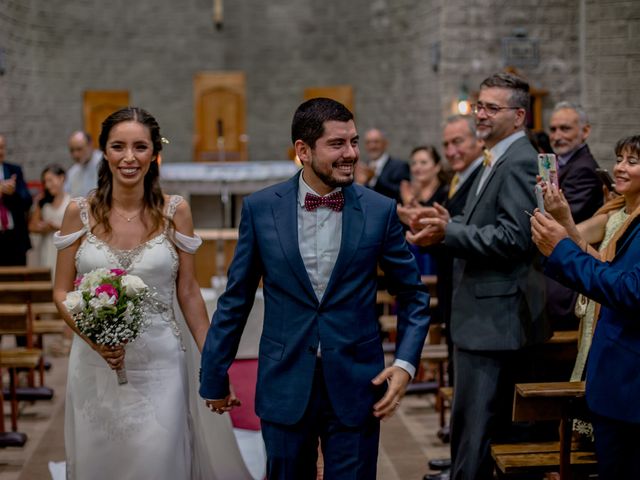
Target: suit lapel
[[285, 212], [472, 198], [352, 228], [475, 199]]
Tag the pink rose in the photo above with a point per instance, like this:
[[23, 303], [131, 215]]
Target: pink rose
[[78, 281], [118, 272], [107, 288]]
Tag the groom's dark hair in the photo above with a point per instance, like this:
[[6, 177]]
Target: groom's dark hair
[[308, 121]]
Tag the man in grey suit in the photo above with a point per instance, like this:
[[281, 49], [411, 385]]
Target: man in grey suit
[[498, 288]]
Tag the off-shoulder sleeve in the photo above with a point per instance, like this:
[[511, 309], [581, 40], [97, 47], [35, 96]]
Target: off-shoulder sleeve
[[63, 241], [186, 243]]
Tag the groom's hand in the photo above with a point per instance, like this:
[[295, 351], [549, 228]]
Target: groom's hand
[[224, 404], [397, 379]]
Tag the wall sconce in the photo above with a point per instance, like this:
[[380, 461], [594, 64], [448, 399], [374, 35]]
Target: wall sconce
[[462, 104], [218, 14]]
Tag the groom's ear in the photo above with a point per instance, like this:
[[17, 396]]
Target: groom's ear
[[303, 151]]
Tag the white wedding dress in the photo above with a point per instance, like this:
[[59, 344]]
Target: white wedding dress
[[155, 426]]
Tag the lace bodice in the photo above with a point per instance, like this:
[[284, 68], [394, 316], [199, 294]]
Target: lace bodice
[[155, 261]]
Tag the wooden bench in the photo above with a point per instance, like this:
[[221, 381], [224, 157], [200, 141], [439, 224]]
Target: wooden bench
[[541, 402], [25, 274], [17, 300], [12, 360], [43, 314], [519, 458]]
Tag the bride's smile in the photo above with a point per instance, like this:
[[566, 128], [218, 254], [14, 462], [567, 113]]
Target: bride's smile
[[129, 151]]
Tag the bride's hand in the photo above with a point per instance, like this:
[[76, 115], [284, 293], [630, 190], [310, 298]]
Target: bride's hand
[[224, 404], [114, 356]]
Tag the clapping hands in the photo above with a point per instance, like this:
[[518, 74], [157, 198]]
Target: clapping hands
[[428, 225], [8, 186]]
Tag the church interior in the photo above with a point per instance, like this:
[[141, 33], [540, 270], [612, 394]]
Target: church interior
[[223, 79]]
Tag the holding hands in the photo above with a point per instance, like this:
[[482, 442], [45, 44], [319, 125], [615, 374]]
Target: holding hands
[[226, 404]]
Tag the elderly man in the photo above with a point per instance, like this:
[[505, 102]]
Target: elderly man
[[82, 176], [569, 129], [463, 150], [382, 173], [15, 201], [498, 299]]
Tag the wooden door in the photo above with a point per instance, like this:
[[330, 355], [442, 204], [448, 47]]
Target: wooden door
[[98, 105], [339, 93], [220, 104]]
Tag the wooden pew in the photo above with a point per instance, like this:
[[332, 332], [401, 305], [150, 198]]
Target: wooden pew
[[25, 274], [540, 402], [27, 294], [14, 320]]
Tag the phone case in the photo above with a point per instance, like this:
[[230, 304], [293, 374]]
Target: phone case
[[548, 168], [539, 197]]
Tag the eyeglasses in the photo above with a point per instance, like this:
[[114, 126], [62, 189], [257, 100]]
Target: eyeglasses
[[630, 160], [491, 109]]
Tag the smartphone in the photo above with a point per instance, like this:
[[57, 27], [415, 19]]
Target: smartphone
[[606, 179], [539, 197], [548, 168]]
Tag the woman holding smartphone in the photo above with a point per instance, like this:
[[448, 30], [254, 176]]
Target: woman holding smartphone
[[611, 277]]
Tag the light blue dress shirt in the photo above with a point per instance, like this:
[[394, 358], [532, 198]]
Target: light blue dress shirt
[[319, 240]]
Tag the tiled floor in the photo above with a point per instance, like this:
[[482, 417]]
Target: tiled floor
[[408, 439]]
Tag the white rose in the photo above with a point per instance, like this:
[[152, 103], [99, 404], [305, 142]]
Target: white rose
[[74, 302], [94, 278], [133, 285], [101, 301]]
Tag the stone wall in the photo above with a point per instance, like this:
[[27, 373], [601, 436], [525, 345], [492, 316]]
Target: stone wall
[[406, 60], [612, 70]]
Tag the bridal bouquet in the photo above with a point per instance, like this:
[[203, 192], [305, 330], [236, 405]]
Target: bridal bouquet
[[108, 307]]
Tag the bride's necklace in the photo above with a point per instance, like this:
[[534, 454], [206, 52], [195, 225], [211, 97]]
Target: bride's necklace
[[128, 219]]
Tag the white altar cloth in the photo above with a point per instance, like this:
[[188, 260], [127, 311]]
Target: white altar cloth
[[223, 178]]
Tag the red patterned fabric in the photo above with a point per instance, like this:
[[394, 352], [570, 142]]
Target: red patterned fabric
[[243, 375], [334, 201]]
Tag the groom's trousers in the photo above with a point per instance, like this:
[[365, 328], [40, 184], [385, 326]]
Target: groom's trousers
[[349, 453]]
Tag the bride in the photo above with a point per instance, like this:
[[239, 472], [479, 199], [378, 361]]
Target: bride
[[151, 427]]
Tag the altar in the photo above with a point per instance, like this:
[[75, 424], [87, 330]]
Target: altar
[[215, 190]]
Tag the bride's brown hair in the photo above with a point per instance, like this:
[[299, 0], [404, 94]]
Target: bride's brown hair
[[100, 201]]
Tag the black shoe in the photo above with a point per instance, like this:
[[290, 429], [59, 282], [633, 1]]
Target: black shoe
[[444, 434], [445, 475], [440, 464]]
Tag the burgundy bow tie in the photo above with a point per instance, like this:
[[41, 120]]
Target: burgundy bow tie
[[334, 201]]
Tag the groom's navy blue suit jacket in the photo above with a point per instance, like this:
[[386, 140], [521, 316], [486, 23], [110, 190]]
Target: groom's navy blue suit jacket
[[295, 322]]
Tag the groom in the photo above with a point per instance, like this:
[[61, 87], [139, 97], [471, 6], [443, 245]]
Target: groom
[[316, 241]]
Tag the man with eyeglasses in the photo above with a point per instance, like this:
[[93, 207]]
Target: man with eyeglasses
[[497, 308]]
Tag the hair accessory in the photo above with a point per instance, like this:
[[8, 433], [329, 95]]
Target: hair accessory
[[164, 140]]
